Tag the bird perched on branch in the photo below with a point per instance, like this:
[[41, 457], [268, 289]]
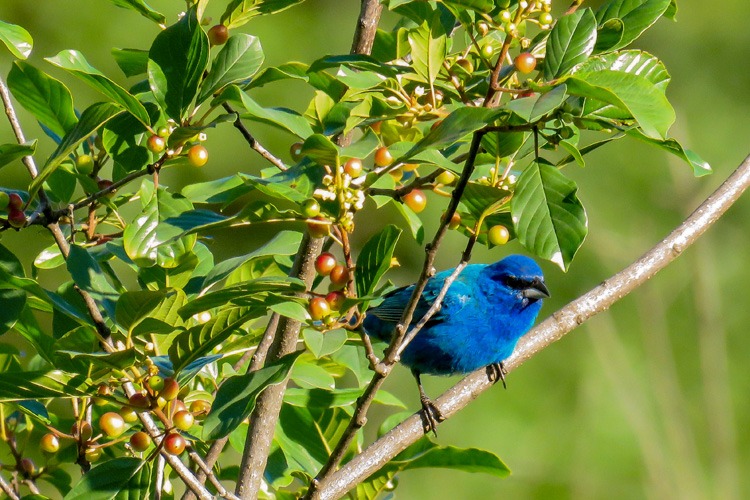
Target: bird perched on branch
[[483, 314]]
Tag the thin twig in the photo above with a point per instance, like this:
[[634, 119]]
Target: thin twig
[[252, 141], [7, 489], [197, 460], [550, 330]]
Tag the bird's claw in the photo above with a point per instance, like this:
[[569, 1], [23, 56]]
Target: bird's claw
[[431, 415], [497, 371]]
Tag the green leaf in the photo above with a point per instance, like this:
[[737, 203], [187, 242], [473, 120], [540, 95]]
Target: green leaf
[[415, 223], [502, 144], [291, 310], [323, 399], [236, 397], [200, 340], [485, 6], [700, 166], [132, 62], [635, 62], [239, 59], [118, 360], [455, 127], [142, 8], [308, 374], [548, 217], [570, 42], [480, 199], [375, 259], [532, 109], [466, 459], [636, 16], [12, 152], [112, 478], [238, 12], [13, 302], [44, 97], [631, 93], [321, 150], [148, 239], [322, 344], [285, 119], [177, 60], [75, 63], [40, 385], [17, 39], [428, 48], [92, 118], [133, 306], [88, 275]]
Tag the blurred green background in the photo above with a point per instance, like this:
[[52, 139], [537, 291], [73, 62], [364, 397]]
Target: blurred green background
[[648, 400]]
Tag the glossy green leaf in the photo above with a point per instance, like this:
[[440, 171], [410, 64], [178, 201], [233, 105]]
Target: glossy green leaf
[[548, 217], [428, 48], [111, 479], [40, 385], [636, 16], [533, 109], [75, 63], [16, 39], [132, 62], [291, 310], [699, 165], [236, 397], [463, 459], [142, 8], [375, 259], [44, 97], [36, 410], [88, 275], [502, 144], [134, 306], [480, 199], [455, 127], [632, 93], [12, 152], [322, 344], [238, 12], [239, 59], [148, 240], [13, 302], [321, 150], [570, 42], [91, 119], [412, 219], [485, 6], [324, 399], [118, 360], [310, 375], [636, 62], [283, 118], [177, 60]]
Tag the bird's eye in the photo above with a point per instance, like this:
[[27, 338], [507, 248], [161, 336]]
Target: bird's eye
[[513, 282]]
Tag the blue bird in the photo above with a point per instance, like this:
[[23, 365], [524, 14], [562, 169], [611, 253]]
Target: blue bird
[[484, 313]]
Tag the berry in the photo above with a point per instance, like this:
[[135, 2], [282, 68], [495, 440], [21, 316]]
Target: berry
[[383, 157], [156, 144], [85, 164], [296, 151], [16, 218], [397, 174], [112, 424], [83, 431], [140, 441], [174, 444], [415, 199], [163, 132], [218, 35], [310, 208], [488, 50], [171, 389], [4, 200], [339, 275], [546, 18], [317, 229], [200, 408], [353, 167], [409, 167], [104, 389], [49, 443], [197, 155], [93, 454], [483, 28], [525, 63], [335, 300], [498, 235], [27, 466], [446, 178], [465, 64], [455, 221], [106, 184], [318, 308], [325, 263], [15, 201], [139, 401], [156, 383], [183, 420]]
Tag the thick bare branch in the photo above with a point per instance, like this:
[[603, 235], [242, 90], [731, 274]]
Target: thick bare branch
[[550, 330]]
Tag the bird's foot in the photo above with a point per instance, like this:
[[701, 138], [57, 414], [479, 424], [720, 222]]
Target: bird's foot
[[431, 415], [497, 371]]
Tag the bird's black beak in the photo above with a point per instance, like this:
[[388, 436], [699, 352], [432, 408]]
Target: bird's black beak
[[537, 290]]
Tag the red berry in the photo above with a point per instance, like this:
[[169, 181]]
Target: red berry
[[197, 155], [296, 151], [353, 167], [139, 401], [156, 144], [140, 441], [339, 275], [183, 420], [174, 444], [325, 263], [218, 35], [335, 300], [525, 62], [498, 235], [112, 424], [383, 157], [16, 218], [319, 308], [49, 443], [15, 201], [416, 200], [171, 389], [106, 184]]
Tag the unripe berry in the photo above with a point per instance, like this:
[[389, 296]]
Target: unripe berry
[[4, 200], [310, 208], [85, 164], [156, 144], [197, 155], [498, 235], [200, 408], [317, 229], [318, 308], [383, 157], [447, 178], [218, 35], [49, 443], [325, 263], [112, 424], [183, 420], [140, 441], [525, 63], [295, 151], [171, 389]]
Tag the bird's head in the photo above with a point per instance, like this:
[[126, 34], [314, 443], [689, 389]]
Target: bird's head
[[520, 277]]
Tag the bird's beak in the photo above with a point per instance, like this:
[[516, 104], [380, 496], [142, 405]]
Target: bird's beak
[[537, 290]]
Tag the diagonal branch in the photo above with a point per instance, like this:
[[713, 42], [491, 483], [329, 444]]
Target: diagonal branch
[[550, 330]]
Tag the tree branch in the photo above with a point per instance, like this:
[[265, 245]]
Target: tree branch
[[550, 330], [252, 141]]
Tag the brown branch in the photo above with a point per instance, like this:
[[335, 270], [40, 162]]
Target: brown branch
[[5, 487], [550, 330], [252, 141]]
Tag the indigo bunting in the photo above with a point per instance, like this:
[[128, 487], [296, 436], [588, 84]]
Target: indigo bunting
[[484, 313]]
